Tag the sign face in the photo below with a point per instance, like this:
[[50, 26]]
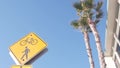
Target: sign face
[[24, 66], [27, 48]]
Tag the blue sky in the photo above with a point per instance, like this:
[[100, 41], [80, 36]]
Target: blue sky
[[49, 19]]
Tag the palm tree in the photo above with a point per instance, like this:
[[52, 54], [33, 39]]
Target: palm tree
[[85, 29], [93, 13]]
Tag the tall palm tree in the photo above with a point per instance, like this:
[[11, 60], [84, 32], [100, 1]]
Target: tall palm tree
[[93, 13], [85, 29]]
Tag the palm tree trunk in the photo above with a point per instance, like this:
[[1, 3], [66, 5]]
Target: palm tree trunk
[[88, 49], [98, 43]]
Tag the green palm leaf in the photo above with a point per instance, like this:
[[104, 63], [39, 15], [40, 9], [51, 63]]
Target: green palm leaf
[[98, 6], [81, 24], [97, 20], [75, 24], [89, 3], [99, 14], [78, 6], [83, 21]]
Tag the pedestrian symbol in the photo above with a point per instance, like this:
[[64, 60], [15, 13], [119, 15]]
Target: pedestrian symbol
[[26, 51]]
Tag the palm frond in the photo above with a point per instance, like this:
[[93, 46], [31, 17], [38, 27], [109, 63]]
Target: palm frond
[[78, 6], [75, 24], [83, 21], [98, 6], [91, 15], [99, 14], [81, 25], [88, 29], [97, 21], [89, 3]]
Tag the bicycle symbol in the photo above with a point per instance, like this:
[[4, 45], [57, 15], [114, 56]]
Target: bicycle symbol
[[28, 40]]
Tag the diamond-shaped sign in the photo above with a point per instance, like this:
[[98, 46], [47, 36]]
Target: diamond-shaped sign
[[27, 48]]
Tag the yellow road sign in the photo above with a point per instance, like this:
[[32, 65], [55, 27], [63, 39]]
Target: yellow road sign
[[24, 66], [27, 48]]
